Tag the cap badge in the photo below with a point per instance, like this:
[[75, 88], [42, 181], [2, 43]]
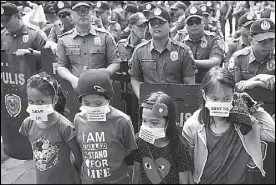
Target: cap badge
[[209, 3], [157, 11], [193, 10], [148, 6], [60, 4], [99, 4], [2, 10], [265, 25], [203, 8], [249, 17], [97, 41], [174, 55]]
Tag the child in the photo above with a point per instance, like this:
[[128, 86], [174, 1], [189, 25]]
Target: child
[[105, 134], [51, 135], [161, 156]]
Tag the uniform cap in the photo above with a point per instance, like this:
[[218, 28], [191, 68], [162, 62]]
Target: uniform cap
[[49, 8], [247, 19], [160, 13], [76, 4], [95, 81], [61, 5], [131, 8], [148, 7], [205, 9], [178, 5], [102, 6], [193, 11], [8, 9], [263, 29], [137, 19]]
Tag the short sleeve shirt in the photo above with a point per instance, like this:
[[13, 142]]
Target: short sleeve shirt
[[95, 50], [104, 146], [171, 66], [51, 153], [170, 160], [234, 46], [245, 66], [56, 31]]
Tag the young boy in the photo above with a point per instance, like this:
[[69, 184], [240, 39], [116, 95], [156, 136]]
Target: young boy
[[105, 134]]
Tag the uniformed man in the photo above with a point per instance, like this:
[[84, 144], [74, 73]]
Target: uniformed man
[[177, 10], [147, 8], [51, 17], [64, 24], [118, 14], [16, 37], [244, 40], [103, 12], [85, 47], [255, 65], [161, 60], [207, 47]]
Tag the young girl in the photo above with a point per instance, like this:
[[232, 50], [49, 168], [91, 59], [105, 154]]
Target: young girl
[[105, 134], [221, 147], [161, 156], [51, 135]]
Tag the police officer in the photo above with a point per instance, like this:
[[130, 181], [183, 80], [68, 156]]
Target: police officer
[[147, 8], [178, 13], [244, 40], [85, 47], [207, 47], [118, 14], [16, 37], [255, 65], [64, 24], [161, 60], [51, 17], [103, 12]]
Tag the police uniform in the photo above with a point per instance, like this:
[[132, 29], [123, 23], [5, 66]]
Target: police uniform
[[209, 45], [237, 43], [244, 63], [95, 50], [58, 29], [118, 15], [48, 8], [23, 39]]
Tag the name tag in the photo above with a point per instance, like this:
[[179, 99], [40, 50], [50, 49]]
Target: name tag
[[147, 60]]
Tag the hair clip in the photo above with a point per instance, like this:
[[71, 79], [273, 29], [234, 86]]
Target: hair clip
[[160, 109]]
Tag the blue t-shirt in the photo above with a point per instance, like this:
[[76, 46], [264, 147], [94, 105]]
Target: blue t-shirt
[[104, 147], [51, 153]]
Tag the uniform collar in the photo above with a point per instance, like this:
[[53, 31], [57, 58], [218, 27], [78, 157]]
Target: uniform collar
[[91, 31], [252, 57], [168, 46], [23, 30]]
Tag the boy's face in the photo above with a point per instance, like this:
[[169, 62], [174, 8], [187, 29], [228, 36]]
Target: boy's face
[[93, 100]]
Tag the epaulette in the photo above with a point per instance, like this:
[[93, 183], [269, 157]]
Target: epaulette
[[66, 33], [101, 30], [122, 41], [181, 44], [244, 51], [142, 44]]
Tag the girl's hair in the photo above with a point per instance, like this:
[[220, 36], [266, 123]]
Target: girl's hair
[[215, 77], [172, 131], [48, 86]]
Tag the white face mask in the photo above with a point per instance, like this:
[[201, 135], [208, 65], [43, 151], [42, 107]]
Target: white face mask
[[219, 109], [95, 113], [40, 112], [151, 134]]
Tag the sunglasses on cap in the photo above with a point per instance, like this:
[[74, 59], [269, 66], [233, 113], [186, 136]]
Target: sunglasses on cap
[[192, 21], [64, 14]]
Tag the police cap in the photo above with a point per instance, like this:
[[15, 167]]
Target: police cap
[[8, 9], [263, 29], [178, 5], [61, 6], [137, 19], [49, 8], [193, 11], [160, 13], [247, 19], [76, 4], [101, 6], [131, 8]]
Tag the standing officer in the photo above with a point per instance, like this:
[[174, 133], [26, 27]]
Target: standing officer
[[64, 24], [178, 12], [255, 65], [85, 47], [161, 60], [51, 17], [207, 47], [16, 37], [244, 40]]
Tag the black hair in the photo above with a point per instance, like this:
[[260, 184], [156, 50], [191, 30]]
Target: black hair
[[172, 131], [48, 86], [214, 77]]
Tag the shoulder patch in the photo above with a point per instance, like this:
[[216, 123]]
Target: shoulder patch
[[142, 45], [244, 51], [67, 33], [181, 44]]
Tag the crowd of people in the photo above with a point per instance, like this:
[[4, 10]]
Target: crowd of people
[[159, 42]]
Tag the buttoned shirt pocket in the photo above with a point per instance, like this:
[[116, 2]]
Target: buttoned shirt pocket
[[71, 51], [172, 70], [147, 66], [97, 55]]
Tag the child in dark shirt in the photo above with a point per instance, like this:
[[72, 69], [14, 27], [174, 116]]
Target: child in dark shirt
[[161, 158], [51, 135]]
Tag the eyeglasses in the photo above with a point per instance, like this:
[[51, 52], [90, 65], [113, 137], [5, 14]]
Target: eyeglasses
[[196, 21], [158, 22], [64, 14]]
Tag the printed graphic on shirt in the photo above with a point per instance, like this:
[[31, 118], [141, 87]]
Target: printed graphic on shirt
[[45, 155], [95, 155], [162, 165]]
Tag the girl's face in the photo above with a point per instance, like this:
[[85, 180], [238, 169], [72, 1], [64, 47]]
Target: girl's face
[[93, 100], [219, 94], [151, 121], [35, 97]]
